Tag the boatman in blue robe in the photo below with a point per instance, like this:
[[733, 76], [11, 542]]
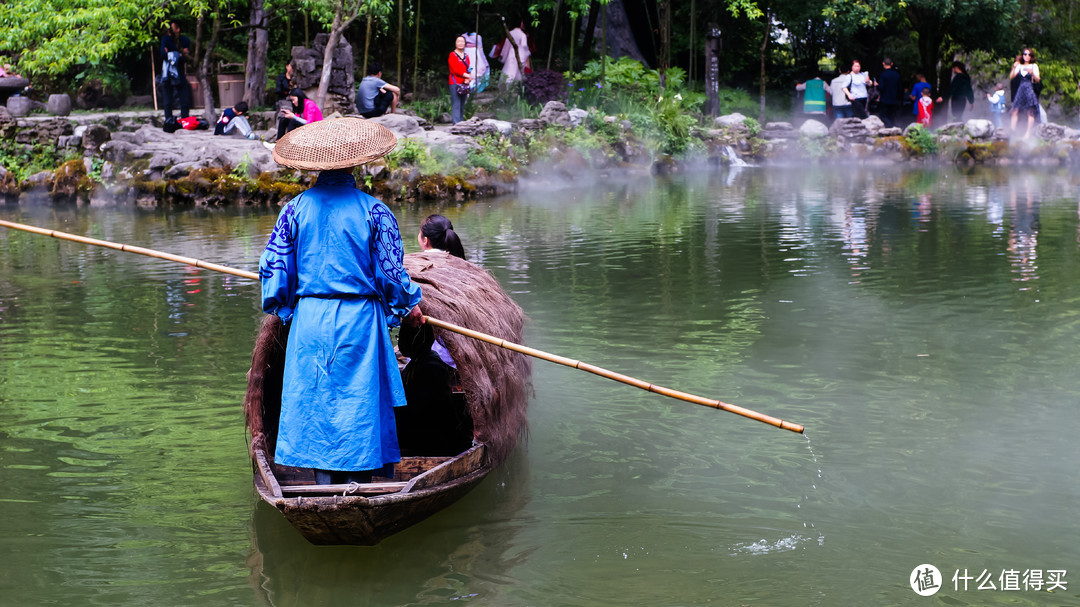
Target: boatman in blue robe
[[333, 271]]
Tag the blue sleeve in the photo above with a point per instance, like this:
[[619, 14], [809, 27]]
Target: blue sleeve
[[277, 267], [397, 290]]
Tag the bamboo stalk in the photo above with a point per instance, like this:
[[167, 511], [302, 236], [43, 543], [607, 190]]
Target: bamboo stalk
[[619, 377], [484, 337]]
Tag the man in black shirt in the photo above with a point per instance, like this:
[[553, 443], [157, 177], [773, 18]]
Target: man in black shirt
[[889, 89]]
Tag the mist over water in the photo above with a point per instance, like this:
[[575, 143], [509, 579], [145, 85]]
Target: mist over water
[[921, 324]]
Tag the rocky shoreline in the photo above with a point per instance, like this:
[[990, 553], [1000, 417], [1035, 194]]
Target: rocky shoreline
[[120, 158]]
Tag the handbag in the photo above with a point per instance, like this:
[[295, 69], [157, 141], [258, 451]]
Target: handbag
[[463, 89]]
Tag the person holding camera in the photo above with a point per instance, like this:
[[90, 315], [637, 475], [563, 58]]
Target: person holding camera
[[303, 111], [460, 77]]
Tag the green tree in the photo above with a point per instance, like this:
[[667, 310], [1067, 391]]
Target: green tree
[[971, 24], [53, 36]]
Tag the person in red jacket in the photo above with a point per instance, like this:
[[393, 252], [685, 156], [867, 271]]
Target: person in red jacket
[[460, 77]]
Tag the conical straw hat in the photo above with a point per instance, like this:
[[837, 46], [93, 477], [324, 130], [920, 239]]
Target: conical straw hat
[[337, 143]]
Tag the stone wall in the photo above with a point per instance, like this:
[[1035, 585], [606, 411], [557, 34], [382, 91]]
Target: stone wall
[[307, 69]]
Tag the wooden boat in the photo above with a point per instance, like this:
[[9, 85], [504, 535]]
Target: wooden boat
[[365, 514], [496, 382]]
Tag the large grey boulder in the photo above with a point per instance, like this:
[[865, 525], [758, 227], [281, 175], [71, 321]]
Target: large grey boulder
[[117, 151], [850, 128], [502, 126], [779, 130], [400, 124], [473, 127], [977, 128], [873, 124], [813, 129], [458, 145], [555, 114], [577, 117], [730, 120], [952, 129], [1048, 131], [95, 136]]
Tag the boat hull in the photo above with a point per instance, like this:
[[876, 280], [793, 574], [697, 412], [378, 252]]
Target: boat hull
[[365, 520]]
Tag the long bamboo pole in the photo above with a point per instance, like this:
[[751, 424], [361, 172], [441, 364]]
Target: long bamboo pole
[[484, 337], [191, 261], [619, 377]]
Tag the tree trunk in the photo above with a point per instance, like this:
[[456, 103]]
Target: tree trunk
[[603, 49], [416, 49], [400, 13], [205, 68], [336, 29], [573, 40], [692, 55], [665, 42], [764, 47], [258, 41], [590, 28], [554, 28], [367, 44]]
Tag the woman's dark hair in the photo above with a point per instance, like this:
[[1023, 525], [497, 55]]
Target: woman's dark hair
[[1031, 55], [439, 230], [300, 99]]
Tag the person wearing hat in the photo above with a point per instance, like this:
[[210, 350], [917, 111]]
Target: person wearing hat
[[333, 271]]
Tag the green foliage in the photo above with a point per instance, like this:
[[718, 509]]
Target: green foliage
[[753, 127], [675, 124], [736, 100], [243, 169], [52, 36], [409, 152], [24, 161], [921, 140], [496, 154]]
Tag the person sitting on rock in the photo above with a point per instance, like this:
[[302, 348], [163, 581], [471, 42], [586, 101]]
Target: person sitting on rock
[[374, 96], [303, 111], [234, 119]]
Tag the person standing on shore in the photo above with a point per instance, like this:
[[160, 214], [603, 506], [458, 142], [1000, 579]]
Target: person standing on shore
[[840, 102], [460, 77], [175, 50], [1025, 100], [889, 88], [960, 95], [815, 93]]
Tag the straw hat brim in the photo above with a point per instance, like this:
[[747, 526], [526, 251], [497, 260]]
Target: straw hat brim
[[337, 143]]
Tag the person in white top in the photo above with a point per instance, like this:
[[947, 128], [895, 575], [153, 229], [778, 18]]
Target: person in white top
[[513, 66], [855, 90]]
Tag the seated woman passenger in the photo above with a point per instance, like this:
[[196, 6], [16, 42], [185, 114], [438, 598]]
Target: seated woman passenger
[[436, 420]]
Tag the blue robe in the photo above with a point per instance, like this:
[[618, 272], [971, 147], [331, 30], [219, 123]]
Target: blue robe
[[334, 271]]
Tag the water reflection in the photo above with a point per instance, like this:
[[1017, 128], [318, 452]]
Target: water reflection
[[1023, 232]]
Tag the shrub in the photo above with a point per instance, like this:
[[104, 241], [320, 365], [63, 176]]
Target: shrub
[[542, 86], [921, 140]]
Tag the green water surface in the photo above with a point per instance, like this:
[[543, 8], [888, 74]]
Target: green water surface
[[923, 325]]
